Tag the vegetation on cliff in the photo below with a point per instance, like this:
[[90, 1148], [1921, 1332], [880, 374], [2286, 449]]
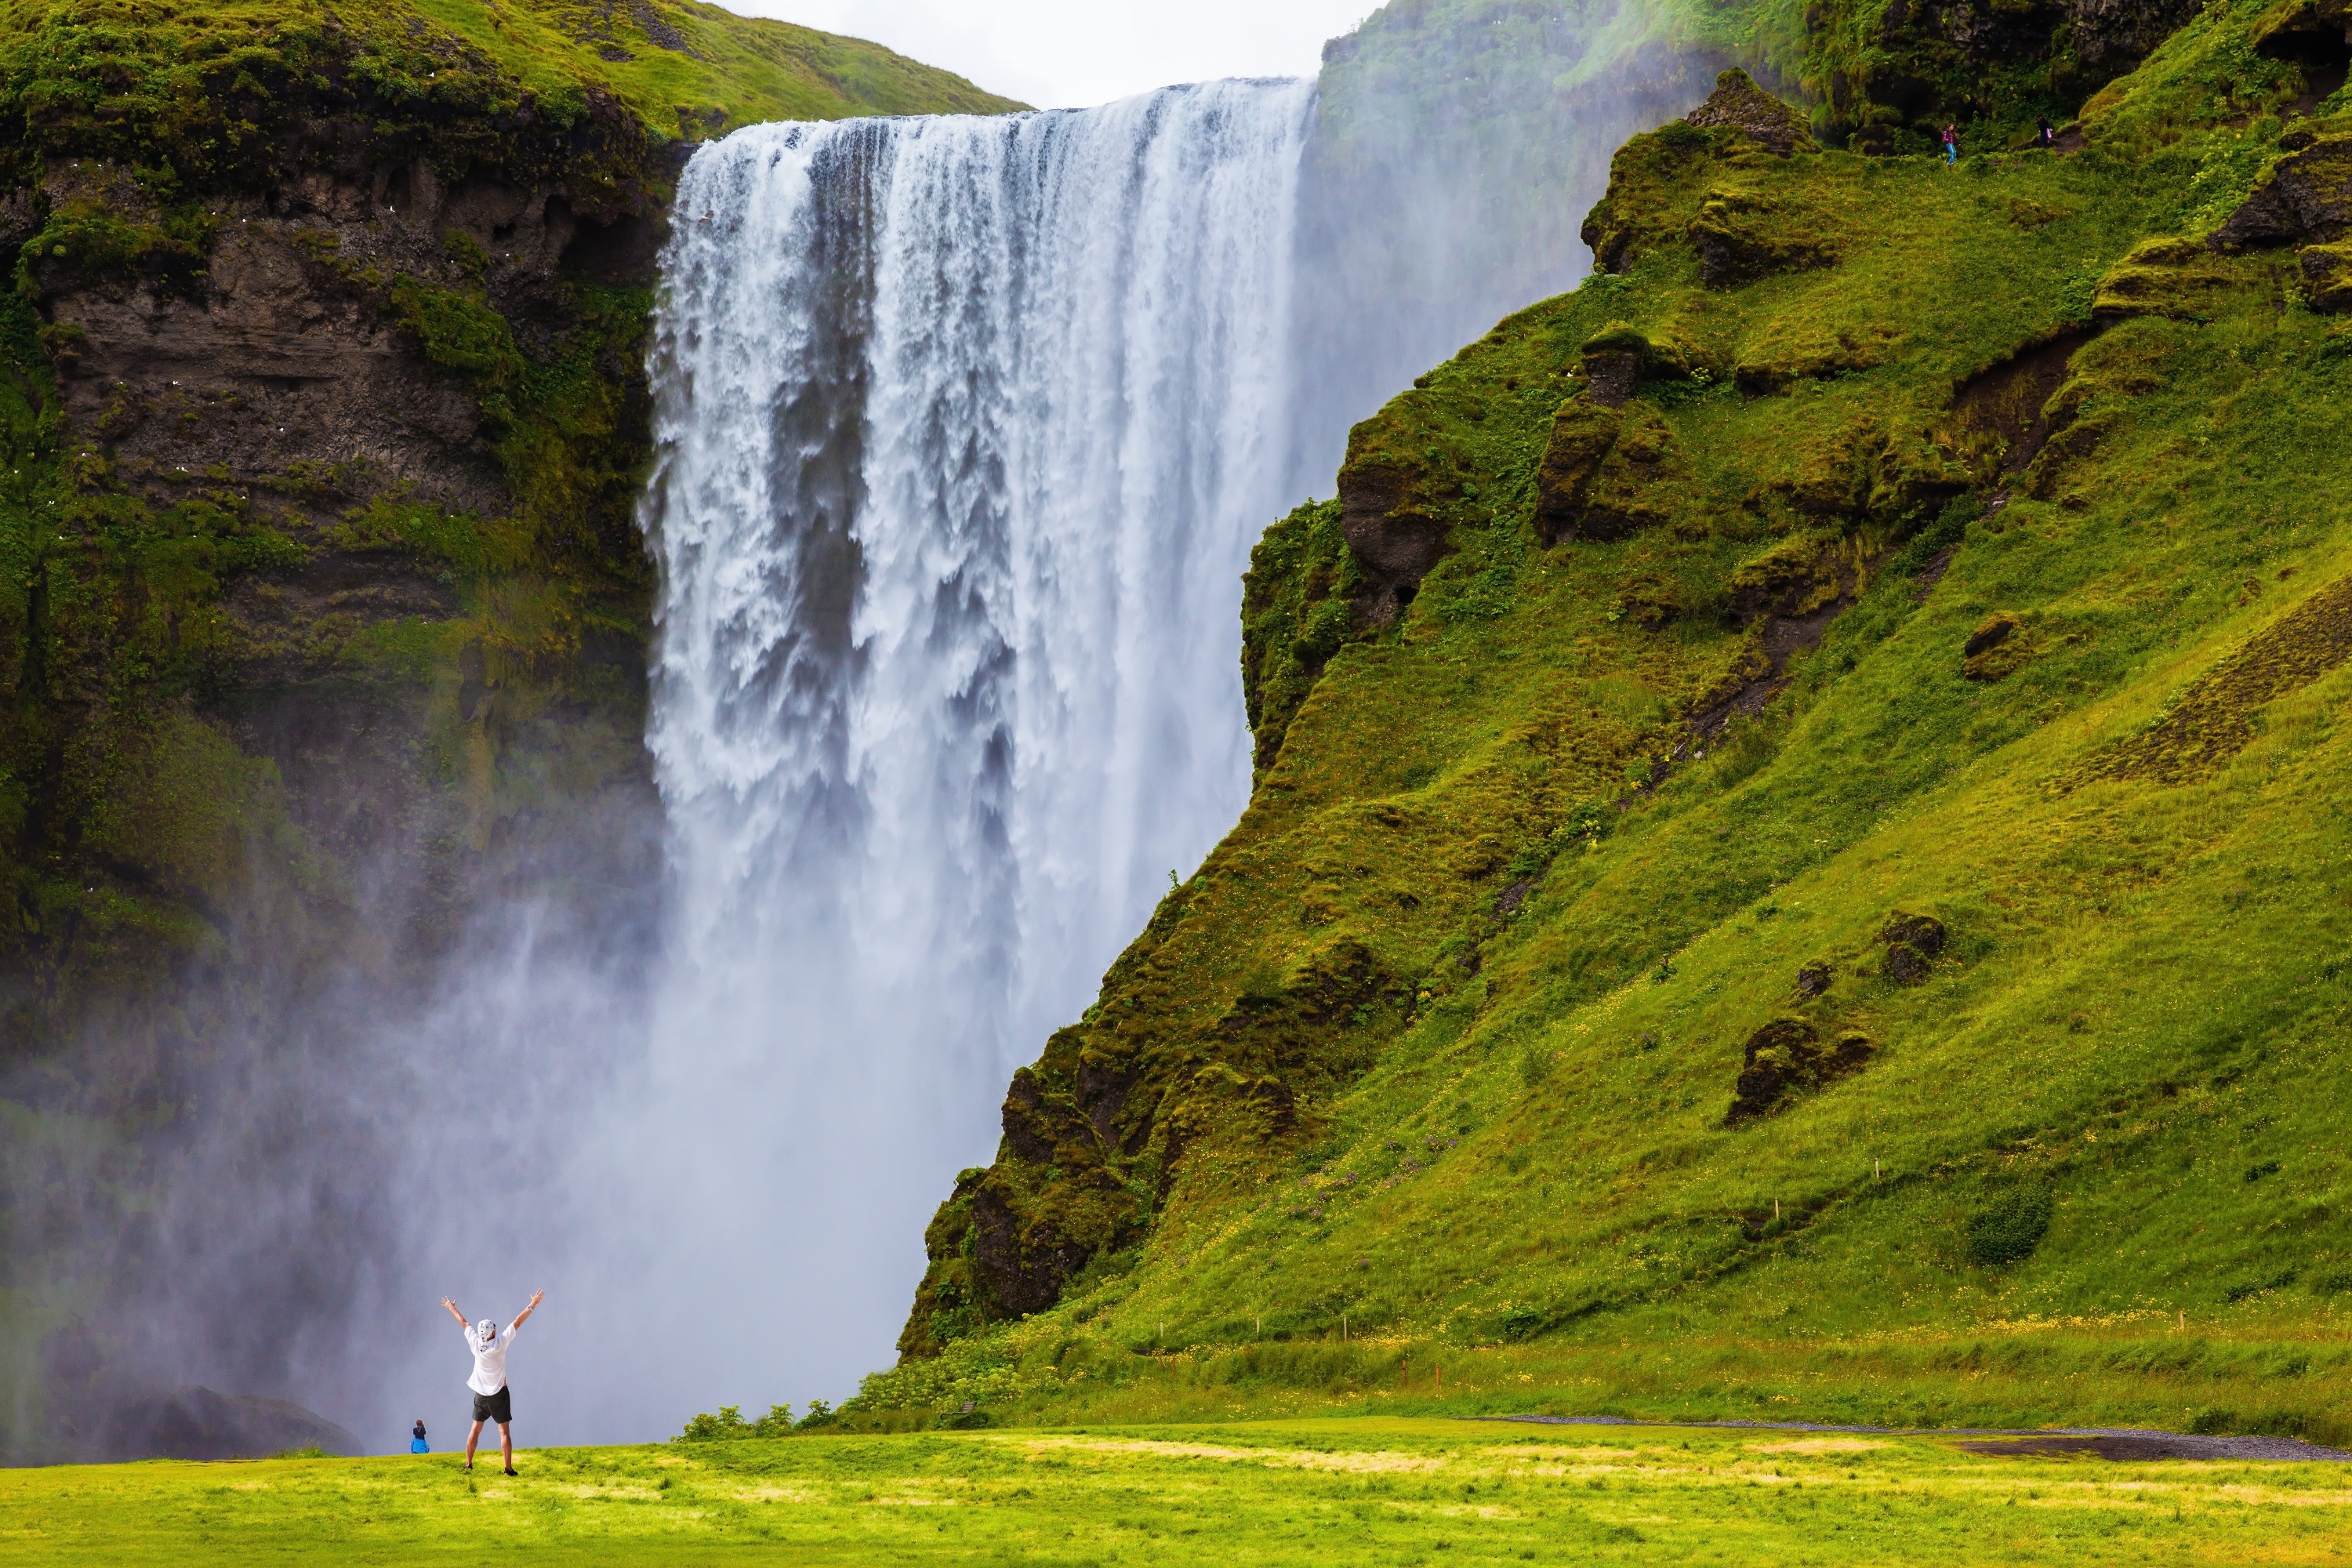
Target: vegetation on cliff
[[326, 410], [1794, 835]]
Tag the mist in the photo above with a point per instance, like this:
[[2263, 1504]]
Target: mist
[[964, 430]]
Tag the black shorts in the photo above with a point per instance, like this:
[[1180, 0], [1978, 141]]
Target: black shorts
[[498, 1407]]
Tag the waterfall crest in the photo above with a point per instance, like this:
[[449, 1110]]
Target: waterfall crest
[[965, 428]]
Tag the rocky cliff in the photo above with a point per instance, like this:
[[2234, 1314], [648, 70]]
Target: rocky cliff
[[326, 414]]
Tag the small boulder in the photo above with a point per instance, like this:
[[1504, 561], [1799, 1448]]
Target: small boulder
[[1785, 1056], [1905, 964], [2328, 277], [1912, 944], [1925, 933], [1813, 979], [1995, 649], [1992, 633]]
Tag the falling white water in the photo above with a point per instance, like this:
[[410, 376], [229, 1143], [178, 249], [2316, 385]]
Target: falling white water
[[966, 426]]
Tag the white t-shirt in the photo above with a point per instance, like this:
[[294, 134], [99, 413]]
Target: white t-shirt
[[490, 1361]]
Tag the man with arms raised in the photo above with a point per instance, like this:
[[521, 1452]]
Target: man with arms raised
[[491, 1401]]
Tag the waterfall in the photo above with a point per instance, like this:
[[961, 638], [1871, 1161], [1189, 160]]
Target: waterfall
[[965, 429]]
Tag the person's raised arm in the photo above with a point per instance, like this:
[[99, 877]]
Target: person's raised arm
[[455, 1313], [524, 1316]]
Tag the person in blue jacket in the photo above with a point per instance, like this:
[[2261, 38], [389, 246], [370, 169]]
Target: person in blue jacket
[[417, 1444]]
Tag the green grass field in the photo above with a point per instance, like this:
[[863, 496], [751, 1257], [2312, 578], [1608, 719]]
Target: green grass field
[[1369, 1491]]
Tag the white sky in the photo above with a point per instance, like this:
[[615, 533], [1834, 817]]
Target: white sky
[[1064, 54]]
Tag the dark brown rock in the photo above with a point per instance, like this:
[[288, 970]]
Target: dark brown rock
[[1021, 1266], [1610, 377], [1923, 933], [2306, 197], [1905, 965], [1813, 980], [1387, 518], [1787, 1055]]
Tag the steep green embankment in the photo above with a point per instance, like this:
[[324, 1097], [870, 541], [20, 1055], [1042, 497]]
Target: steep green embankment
[[326, 414], [1800, 828]]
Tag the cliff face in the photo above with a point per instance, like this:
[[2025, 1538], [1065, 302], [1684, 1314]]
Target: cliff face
[[1761, 765], [323, 595], [324, 614]]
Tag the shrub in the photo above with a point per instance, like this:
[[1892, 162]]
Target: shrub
[[2009, 1229]]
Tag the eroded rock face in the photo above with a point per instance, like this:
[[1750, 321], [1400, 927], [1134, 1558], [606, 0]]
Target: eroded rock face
[[1741, 236], [272, 370], [1605, 472], [2305, 198], [1387, 515], [1740, 104], [1788, 1055]]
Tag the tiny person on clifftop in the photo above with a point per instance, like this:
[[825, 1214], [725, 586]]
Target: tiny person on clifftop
[[416, 1442], [492, 1399]]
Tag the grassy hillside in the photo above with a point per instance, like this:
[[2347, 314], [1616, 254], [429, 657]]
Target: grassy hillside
[[1286, 1492], [1799, 826]]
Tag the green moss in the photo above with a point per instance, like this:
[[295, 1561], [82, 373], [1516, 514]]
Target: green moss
[[1298, 610]]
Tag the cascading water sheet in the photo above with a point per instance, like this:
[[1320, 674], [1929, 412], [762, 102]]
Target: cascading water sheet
[[966, 426]]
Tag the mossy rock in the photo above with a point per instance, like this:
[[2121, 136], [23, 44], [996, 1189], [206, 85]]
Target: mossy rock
[[2170, 276], [2328, 277], [2305, 195], [2010, 1228], [1998, 647], [1738, 104], [1607, 473], [1743, 235], [1786, 1057]]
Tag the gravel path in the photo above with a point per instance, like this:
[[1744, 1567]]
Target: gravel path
[[2106, 1442]]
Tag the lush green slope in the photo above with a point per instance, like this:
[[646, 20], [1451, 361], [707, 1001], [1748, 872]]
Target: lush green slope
[[1970, 546], [1294, 1492]]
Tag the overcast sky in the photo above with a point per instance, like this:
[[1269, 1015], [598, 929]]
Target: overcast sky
[[1073, 53]]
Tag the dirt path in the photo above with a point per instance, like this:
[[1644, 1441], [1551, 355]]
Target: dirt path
[[2138, 1442]]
